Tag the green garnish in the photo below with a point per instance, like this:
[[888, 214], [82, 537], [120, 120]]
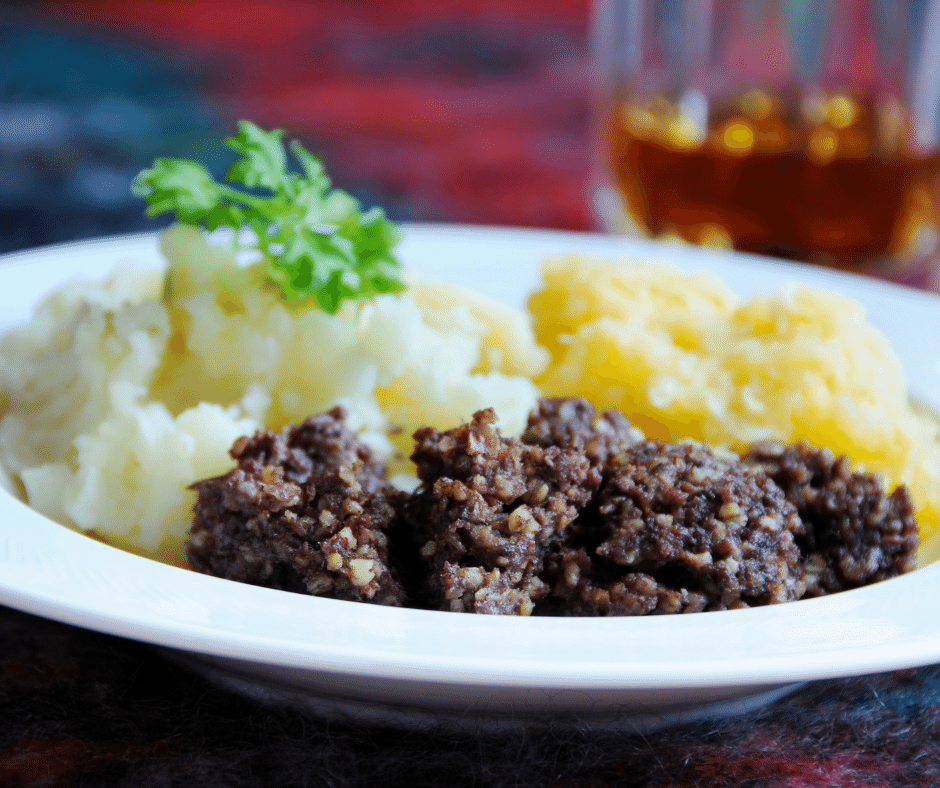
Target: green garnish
[[318, 241]]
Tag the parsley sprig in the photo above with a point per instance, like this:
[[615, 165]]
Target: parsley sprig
[[318, 241]]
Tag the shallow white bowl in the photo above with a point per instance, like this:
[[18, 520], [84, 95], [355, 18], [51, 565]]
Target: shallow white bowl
[[415, 666]]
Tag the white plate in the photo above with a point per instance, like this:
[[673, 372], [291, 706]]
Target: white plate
[[413, 665]]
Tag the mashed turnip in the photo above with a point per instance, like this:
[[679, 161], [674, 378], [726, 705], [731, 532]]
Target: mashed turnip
[[683, 357]]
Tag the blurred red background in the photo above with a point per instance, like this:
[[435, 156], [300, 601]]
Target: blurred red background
[[443, 110]]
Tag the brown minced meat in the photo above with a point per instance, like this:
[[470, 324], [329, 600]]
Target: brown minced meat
[[580, 516], [572, 422], [489, 511], [856, 533], [679, 529], [305, 510]]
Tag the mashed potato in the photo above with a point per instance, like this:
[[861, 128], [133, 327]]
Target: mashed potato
[[121, 395], [682, 357]]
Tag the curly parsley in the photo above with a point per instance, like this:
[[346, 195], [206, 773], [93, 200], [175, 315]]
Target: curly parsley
[[318, 241]]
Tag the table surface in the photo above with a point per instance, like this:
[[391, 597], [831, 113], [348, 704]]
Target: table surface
[[473, 111], [80, 708]]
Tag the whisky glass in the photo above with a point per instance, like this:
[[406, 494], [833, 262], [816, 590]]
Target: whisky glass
[[804, 129]]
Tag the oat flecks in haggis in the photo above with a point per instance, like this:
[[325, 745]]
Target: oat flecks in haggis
[[581, 516], [306, 510], [856, 532], [572, 422], [489, 511], [681, 528]]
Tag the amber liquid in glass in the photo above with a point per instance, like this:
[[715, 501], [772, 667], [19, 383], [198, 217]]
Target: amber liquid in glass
[[826, 178]]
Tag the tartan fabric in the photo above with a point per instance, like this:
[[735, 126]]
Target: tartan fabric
[[84, 709]]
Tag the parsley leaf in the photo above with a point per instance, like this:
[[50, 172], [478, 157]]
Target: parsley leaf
[[318, 241]]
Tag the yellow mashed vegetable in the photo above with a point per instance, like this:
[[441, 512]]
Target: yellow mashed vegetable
[[683, 357]]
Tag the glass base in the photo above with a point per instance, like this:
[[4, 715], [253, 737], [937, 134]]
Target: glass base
[[612, 217]]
